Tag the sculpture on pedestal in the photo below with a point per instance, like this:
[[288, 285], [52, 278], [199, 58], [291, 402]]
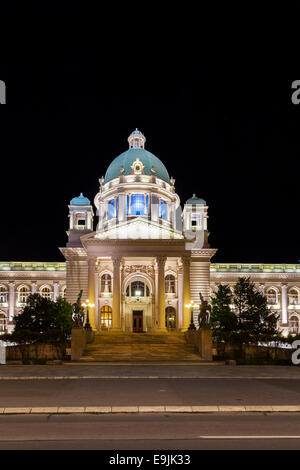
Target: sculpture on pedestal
[[204, 314], [78, 312]]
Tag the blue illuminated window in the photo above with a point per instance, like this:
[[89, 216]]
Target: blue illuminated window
[[163, 210], [147, 204], [137, 204], [127, 204], [111, 209]]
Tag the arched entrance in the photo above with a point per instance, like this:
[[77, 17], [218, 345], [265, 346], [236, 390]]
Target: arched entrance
[[170, 318]]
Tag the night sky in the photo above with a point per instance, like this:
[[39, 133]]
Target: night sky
[[203, 83]]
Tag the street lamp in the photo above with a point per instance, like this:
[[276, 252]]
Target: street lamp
[[192, 306], [87, 305]]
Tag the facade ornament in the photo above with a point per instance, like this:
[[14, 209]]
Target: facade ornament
[[138, 268], [78, 312]]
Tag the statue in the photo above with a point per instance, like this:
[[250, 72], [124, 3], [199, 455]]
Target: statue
[[78, 312], [204, 314]]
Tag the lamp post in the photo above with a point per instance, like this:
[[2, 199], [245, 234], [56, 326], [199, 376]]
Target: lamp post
[[87, 305], [192, 306]]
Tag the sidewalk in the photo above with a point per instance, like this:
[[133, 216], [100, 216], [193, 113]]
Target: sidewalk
[[126, 370]]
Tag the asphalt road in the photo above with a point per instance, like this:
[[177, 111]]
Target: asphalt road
[[142, 391], [142, 432]]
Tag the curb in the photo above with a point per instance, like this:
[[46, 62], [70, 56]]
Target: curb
[[149, 409]]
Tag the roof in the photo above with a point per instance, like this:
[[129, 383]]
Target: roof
[[80, 201], [126, 160], [196, 201]]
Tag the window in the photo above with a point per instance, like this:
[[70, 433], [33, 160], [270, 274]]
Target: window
[[294, 325], [111, 209], [138, 204], [106, 283], [293, 297], [170, 284], [46, 293], [63, 292], [106, 317], [3, 295], [272, 297], [163, 210], [2, 322], [23, 294], [137, 289]]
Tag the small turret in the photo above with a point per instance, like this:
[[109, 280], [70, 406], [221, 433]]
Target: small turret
[[80, 219], [195, 221]]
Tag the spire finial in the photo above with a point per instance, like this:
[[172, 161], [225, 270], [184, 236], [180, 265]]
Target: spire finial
[[136, 139]]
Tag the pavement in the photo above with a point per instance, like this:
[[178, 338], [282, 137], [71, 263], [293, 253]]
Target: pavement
[[140, 389], [150, 431]]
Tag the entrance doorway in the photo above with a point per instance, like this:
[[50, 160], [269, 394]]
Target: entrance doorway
[[170, 318], [137, 321]]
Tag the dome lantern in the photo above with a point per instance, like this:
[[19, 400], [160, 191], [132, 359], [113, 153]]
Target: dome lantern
[[136, 139]]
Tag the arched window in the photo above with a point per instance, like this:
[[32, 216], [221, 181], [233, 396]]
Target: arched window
[[294, 325], [170, 284], [137, 289], [3, 295], [46, 292], [105, 317], [106, 283], [111, 209], [138, 206], [272, 297], [293, 297], [23, 294], [163, 210], [170, 318], [2, 321]]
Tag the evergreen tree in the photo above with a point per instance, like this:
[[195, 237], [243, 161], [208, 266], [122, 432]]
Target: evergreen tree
[[223, 320], [251, 321]]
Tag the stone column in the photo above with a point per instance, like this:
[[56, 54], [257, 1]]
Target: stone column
[[91, 290], [262, 289], [96, 298], [186, 261], [55, 291], [11, 300], [180, 298], [161, 261], [33, 287], [116, 320], [284, 304]]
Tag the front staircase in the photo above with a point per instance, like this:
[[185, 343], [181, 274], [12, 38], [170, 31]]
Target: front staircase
[[139, 347]]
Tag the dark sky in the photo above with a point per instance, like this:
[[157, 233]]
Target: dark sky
[[202, 81]]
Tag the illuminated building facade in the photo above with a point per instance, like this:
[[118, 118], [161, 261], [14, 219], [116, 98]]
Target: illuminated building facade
[[147, 259]]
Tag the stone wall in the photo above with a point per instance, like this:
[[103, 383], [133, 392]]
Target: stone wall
[[229, 351], [34, 351]]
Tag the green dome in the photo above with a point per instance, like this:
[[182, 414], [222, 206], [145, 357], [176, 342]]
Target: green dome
[[127, 158], [80, 201], [196, 201]]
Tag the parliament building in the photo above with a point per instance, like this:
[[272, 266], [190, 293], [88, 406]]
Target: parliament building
[[147, 258]]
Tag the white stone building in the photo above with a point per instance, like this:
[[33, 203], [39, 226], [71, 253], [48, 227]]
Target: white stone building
[[147, 259]]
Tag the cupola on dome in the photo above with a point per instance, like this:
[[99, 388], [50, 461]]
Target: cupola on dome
[[196, 201], [80, 201], [151, 164]]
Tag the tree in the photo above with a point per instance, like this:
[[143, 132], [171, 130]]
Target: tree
[[42, 321], [223, 320], [250, 321], [256, 322]]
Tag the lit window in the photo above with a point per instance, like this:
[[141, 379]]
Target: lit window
[[272, 297], [106, 317], [2, 322], [106, 283], [170, 284], [63, 292], [293, 297], [294, 325], [111, 209], [163, 210], [137, 289], [46, 293], [3, 294], [23, 294], [137, 204]]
